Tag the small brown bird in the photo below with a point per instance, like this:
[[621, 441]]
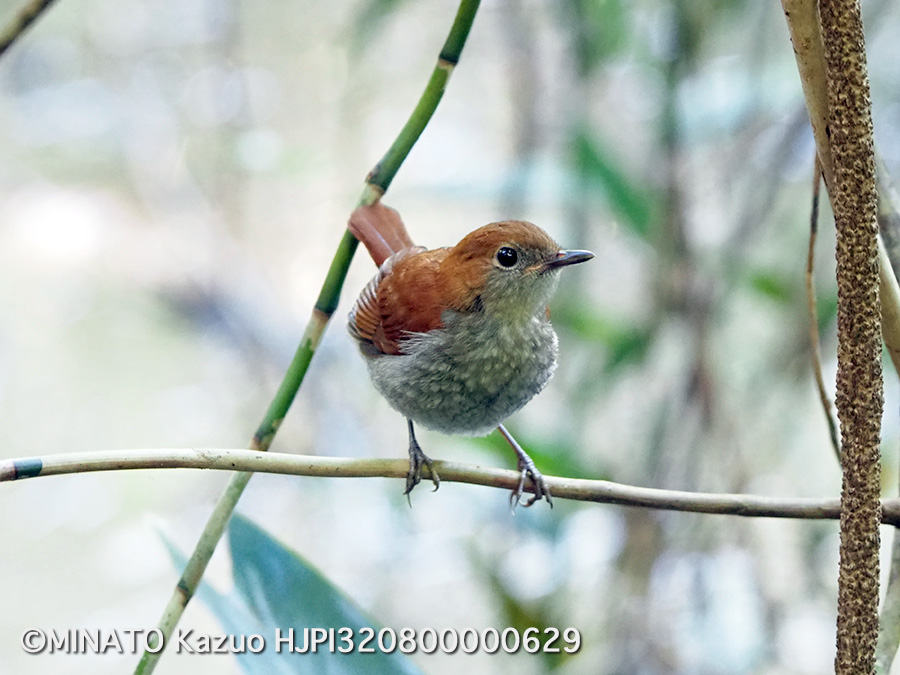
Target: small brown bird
[[458, 339]]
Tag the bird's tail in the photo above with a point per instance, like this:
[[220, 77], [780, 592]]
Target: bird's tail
[[381, 231]]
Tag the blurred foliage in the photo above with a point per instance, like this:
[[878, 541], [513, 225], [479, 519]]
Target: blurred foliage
[[554, 458], [277, 591], [633, 202], [625, 344], [600, 29], [370, 16], [774, 286]]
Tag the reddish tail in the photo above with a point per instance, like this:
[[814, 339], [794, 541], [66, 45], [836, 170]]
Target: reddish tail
[[381, 231]]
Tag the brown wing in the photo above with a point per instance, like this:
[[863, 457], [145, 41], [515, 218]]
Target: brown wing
[[406, 296], [364, 322]]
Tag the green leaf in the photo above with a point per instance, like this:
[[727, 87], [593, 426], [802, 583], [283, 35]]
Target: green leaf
[[599, 29], [773, 286], [237, 619], [633, 202], [276, 590]]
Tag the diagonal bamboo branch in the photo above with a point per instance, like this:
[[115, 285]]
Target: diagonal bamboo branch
[[376, 183], [21, 22], [598, 491]]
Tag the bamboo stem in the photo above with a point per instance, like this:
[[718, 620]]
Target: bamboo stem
[[381, 176], [376, 184]]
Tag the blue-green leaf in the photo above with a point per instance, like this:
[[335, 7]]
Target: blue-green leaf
[[276, 592]]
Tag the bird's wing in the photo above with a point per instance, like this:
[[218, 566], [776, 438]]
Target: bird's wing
[[405, 297]]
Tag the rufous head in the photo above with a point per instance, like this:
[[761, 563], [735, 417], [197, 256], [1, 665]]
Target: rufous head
[[512, 265]]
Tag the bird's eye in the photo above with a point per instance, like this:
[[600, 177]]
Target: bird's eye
[[507, 256]]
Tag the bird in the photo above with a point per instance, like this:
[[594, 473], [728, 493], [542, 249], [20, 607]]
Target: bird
[[459, 338]]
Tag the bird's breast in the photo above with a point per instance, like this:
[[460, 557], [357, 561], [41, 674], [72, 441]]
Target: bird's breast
[[470, 375]]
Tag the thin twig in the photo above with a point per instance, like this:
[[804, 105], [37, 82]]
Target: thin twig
[[599, 491], [377, 182], [812, 312], [25, 18]]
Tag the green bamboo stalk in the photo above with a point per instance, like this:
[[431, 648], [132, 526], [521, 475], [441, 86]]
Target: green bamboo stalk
[[384, 172], [376, 185]]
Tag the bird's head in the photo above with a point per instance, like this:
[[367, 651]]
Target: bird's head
[[512, 267]]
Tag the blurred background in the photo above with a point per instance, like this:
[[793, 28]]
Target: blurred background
[[174, 178]]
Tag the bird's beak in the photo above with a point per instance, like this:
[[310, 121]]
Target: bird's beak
[[568, 258]]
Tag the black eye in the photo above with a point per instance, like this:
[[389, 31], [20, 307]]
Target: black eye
[[507, 256]]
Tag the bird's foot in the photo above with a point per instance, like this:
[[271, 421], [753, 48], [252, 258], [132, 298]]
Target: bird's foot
[[527, 469], [418, 459]]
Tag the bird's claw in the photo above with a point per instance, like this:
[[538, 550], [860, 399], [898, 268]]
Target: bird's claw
[[527, 469], [418, 459]]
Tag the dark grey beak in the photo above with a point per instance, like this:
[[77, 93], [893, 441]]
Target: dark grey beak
[[564, 258]]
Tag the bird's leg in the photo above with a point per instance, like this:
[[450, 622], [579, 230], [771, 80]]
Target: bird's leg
[[527, 469], [416, 459]]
